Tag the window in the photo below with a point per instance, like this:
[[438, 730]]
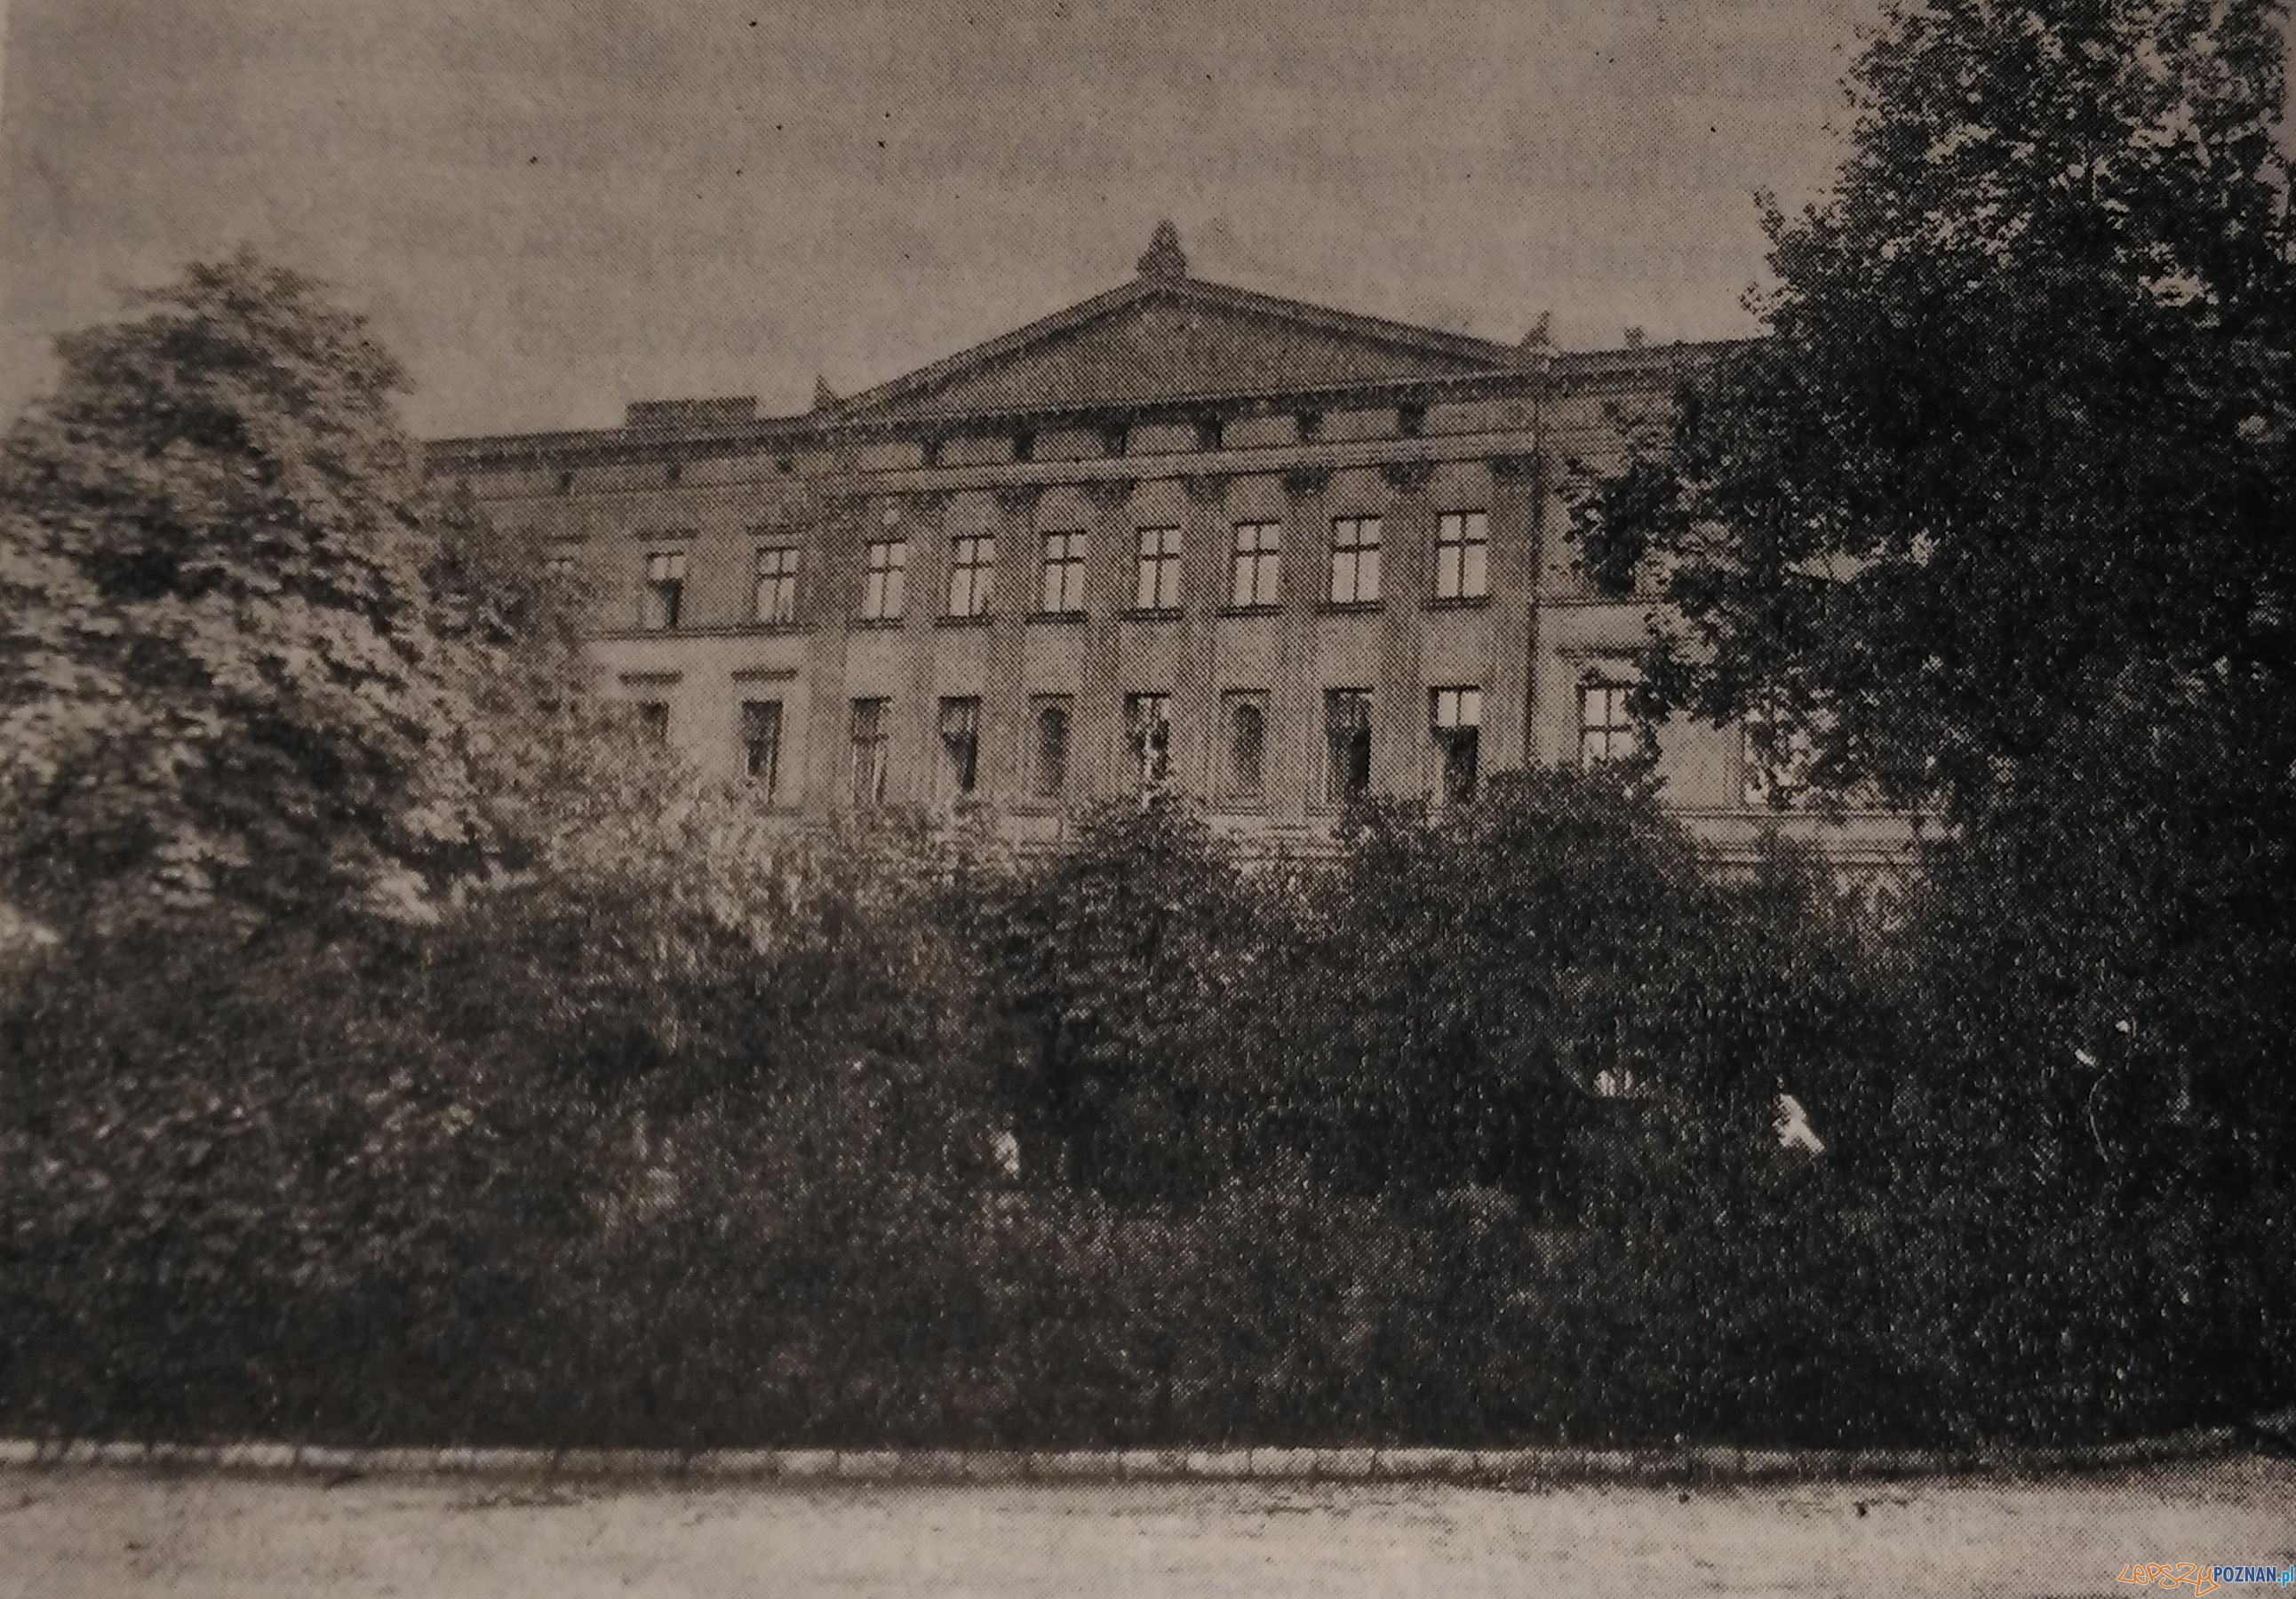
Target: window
[[1115, 440], [1347, 738], [1210, 432], [1355, 560], [1061, 593], [761, 744], [1048, 768], [559, 565], [885, 581], [777, 585], [1024, 447], [674, 474], [960, 748], [1455, 717], [1462, 555], [1148, 728], [1311, 426], [653, 720], [566, 482], [1776, 761], [871, 740], [1410, 420], [1243, 720], [1606, 726], [1158, 585], [972, 570], [663, 598], [1258, 551]]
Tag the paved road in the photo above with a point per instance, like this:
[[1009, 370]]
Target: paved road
[[114, 1533]]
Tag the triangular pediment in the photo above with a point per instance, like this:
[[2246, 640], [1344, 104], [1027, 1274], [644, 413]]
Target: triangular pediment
[[1174, 340]]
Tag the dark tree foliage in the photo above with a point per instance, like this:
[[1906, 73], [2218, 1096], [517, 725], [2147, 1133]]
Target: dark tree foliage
[[1487, 993], [1997, 517], [1123, 962], [219, 677]]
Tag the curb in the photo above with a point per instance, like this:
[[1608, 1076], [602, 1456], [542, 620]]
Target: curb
[[1704, 1465]]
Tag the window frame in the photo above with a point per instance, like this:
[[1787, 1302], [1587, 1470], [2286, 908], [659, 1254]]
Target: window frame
[[1237, 786], [1048, 773], [1616, 724], [1356, 544], [661, 593], [1454, 721], [785, 556], [753, 719], [1463, 550], [869, 738], [1061, 572], [1255, 573], [1346, 779], [1151, 757], [885, 582], [957, 729], [1156, 573], [972, 575]]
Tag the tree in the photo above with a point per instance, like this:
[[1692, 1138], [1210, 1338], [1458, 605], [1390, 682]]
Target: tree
[[1996, 518], [1490, 993], [220, 672], [1123, 962]]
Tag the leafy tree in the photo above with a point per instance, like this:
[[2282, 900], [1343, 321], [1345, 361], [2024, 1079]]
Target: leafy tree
[[218, 666], [1996, 518], [1123, 962], [1487, 994]]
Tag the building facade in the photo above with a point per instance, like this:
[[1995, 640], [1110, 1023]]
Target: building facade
[[1269, 554]]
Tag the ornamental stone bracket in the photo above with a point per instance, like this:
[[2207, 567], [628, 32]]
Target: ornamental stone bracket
[[1019, 498], [1301, 482], [1407, 477], [1109, 493], [1515, 469]]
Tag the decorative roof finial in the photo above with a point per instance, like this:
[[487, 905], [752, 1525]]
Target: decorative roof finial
[[1542, 332], [825, 397], [1165, 258]]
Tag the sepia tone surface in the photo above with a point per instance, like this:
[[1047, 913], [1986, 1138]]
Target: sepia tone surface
[[966, 771]]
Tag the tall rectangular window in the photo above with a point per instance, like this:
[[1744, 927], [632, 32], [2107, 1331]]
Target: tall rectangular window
[[1148, 728], [1606, 726], [1462, 555], [761, 744], [960, 747], [1062, 591], [662, 600], [1355, 560], [653, 720], [971, 572], [1244, 725], [885, 580], [1048, 766], [1258, 552], [1454, 716], [871, 744], [776, 590], [1158, 585], [1347, 742]]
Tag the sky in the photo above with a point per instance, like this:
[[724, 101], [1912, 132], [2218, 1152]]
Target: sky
[[552, 207]]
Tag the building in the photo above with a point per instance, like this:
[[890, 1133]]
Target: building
[[1271, 554]]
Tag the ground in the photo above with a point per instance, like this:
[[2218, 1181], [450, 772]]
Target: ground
[[72, 1533]]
